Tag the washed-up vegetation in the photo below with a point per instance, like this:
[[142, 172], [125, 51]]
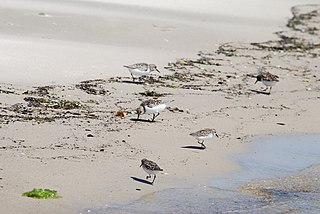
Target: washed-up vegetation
[[42, 194], [93, 87], [55, 104]]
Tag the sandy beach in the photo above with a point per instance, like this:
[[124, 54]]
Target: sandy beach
[[53, 42], [63, 82]]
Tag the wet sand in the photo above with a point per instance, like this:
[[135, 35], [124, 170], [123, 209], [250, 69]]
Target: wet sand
[[278, 174], [294, 194], [67, 136]]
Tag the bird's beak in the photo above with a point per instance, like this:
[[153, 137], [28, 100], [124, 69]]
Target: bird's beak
[[157, 70], [256, 81], [217, 135], [140, 165]]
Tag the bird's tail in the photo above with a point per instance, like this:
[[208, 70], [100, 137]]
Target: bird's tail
[[170, 101]]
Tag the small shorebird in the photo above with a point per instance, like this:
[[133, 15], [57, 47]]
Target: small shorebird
[[152, 106], [141, 69], [204, 134], [151, 168], [267, 79]]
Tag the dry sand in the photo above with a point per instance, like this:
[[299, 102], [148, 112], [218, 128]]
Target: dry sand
[[67, 41], [66, 136]]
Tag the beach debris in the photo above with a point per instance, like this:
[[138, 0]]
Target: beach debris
[[304, 35], [39, 91], [93, 87], [228, 98], [197, 87], [44, 14], [174, 109], [68, 104], [150, 80], [181, 77], [42, 194], [227, 50], [149, 93], [121, 114], [6, 91], [55, 104]]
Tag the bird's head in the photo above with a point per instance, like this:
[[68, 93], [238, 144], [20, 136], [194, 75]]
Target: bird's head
[[214, 132], [259, 77], [143, 161], [153, 67], [139, 111]]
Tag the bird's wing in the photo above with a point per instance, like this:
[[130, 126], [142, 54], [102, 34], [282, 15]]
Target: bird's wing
[[140, 66], [153, 166], [151, 103], [269, 77]]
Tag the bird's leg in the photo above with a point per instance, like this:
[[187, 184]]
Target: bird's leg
[[154, 178], [154, 116], [270, 90], [202, 144], [266, 88], [132, 78], [148, 176]]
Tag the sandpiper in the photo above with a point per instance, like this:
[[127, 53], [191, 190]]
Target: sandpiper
[[267, 79], [151, 168], [141, 69], [204, 134], [151, 106]]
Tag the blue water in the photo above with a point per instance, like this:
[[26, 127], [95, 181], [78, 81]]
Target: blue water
[[272, 156]]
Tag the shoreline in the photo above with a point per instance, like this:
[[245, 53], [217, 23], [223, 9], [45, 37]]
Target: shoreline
[[264, 182], [46, 42], [79, 149]]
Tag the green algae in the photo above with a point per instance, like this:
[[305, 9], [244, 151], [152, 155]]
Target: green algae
[[42, 194]]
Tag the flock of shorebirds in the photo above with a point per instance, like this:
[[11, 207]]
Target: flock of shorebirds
[[155, 106]]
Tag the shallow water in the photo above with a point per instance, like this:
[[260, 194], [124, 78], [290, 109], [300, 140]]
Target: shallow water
[[267, 158], [273, 156]]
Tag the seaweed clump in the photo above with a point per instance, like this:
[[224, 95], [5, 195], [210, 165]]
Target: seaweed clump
[[148, 93], [42, 194], [48, 103], [92, 87], [39, 91]]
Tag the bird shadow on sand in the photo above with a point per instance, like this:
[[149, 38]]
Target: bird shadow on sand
[[260, 92], [142, 120], [141, 180], [133, 82], [193, 147]]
